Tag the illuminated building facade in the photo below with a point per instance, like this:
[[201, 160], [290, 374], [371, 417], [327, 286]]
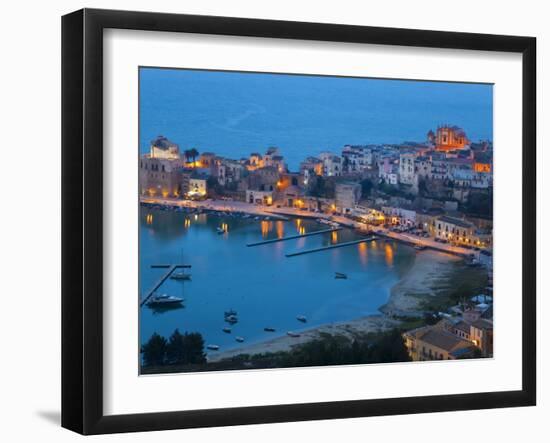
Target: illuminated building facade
[[450, 138]]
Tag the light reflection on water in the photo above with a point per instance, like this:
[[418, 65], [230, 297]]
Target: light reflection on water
[[263, 285]]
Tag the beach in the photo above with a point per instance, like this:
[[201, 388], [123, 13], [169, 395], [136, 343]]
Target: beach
[[419, 284], [405, 298]]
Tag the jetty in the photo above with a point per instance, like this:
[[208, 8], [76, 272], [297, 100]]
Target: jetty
[[161, 280], [325, 248], [292, 237]]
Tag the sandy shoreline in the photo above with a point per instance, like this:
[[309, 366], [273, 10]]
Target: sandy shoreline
[[405, 297], [418, 283]]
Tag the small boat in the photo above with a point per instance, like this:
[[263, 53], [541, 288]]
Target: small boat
[[256, 218], [180, 276], [239, 339], [227, 330], [230, 313], [301, 318], [164, 300], [419, 247], [220, 230], [292, 334], [231, 319], [340, 275], [269, 329], [213, 347]]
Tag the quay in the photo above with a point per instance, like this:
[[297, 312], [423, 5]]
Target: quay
[[292, 237], [325, 248], [161, 280]]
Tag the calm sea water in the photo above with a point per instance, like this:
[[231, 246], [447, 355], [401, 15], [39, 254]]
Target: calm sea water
[[260, 283], [234, 114]]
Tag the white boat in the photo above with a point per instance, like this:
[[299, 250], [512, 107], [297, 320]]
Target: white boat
[[219, 230], [180, 276], [239, 339], [227, 330], [213, 347], [292, 334], [164, 300], [301, 318]]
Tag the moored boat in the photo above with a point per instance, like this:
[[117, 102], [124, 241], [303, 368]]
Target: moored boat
[[180, 276], [301, 318], [227, 330], [268, 329], [239, 339], [340, 275], [213, 347], [292, 334], [164, 300]]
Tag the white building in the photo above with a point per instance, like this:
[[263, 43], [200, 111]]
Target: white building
[[357, 158], [162, 148], [197, 186], [406, 168], [259, 197], [332, 164]]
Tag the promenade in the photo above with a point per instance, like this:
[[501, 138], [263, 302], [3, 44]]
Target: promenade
[[284, 213]]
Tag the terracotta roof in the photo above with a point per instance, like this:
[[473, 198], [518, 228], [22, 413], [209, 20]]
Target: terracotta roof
[[441, 339], [482, 323]]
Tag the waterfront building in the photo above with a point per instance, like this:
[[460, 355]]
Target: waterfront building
[[347, 195], [228, 171], [259, 197], [160, 171], [453, 229], [197, 185], [162, 148], [263, 179], [399, 215], [450, 138], [436, 343]]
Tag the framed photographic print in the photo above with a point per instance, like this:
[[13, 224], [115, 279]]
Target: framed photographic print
[[269, 221]]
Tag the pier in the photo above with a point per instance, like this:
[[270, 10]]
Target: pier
[[325, 248], [161, 280], [292, 237]]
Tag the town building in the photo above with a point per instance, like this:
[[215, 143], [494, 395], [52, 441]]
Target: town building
[[450, 138], [332, 164], [436, 343], [356, 159], [259, 197], [162, 148], [198, 187], [347, 195], [407, 168], [160, 170]]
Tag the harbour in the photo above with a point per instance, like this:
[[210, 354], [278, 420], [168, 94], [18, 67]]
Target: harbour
[[268, 290]]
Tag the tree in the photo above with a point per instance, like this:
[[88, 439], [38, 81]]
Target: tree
[[154, 351], [191, 154], [366, 187], [193, 345], [175, 350], [185, 348]]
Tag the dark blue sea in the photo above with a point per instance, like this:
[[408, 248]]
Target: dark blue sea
[[234, 114]]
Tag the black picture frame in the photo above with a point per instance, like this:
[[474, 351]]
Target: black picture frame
[[82, 215]]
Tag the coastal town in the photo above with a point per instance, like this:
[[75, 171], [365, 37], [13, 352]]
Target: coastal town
[[434, 195]]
